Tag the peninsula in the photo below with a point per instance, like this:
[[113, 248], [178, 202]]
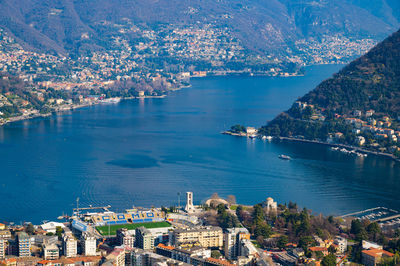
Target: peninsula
[[359, 107]]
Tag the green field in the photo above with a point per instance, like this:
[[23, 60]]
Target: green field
[[103, 230]]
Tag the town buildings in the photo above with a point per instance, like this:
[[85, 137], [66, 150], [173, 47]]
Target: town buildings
[[125, 238], [88, 244], [3, 247], [371, 257], [24, 244], [144, 238], [51, 252], [232, 241], [70, 245], [209, 236]]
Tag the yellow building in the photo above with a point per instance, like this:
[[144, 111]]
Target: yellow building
[[207, 237]]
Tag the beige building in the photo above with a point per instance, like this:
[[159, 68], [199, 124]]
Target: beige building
[[70, 245], [88, 244], [207, 237], [51, 252]]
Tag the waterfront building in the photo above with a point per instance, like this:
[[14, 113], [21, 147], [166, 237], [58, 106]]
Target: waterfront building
[[51, 252], [232, 237], [131, 216], [88, 244], [51, 227], [24, 244], [70, 245], [360, 140], [210, 236], [251, 131], [270, 205], [144, 238]]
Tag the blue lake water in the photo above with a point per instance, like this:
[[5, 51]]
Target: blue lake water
[[143, 152]]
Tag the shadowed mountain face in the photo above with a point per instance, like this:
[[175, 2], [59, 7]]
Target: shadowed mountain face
[[262, 25]]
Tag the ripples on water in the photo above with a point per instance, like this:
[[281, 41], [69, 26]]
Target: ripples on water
[[142, 152]]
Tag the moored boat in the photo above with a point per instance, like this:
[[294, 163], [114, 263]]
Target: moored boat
[[284, 157]]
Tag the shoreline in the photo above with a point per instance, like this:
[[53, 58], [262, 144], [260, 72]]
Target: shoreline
[[78, 106], [71, 108], [358, 149]]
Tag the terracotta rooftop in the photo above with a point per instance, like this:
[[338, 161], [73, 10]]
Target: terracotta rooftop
[[374, 252], [314, 249], [166, 247], [222, 262]]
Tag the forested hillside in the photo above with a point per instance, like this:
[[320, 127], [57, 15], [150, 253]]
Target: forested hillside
[[361, 102]]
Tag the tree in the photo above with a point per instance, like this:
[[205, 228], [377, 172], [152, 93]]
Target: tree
[[231, 199], [215, 254], [319, 255], [305, 242], [332, 249], [373, 229], [362, 235], [59, 232], [292, 205], [262, 229], [238, 128], [329, 260], [282, 241], [164, 210], [356, 226], [258, 214], [30, 229]]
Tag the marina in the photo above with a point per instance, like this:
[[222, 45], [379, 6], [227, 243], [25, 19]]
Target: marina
[[387, 218]]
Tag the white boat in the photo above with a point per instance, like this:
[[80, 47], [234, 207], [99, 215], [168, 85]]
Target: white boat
[[284, 157], [269, 138]]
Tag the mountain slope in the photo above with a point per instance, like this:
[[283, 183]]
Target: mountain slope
[[262, 25], [363, 99]]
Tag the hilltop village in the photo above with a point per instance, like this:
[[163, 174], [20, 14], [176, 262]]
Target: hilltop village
[[218, 232]]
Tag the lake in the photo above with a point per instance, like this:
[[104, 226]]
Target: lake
[[143, 152]]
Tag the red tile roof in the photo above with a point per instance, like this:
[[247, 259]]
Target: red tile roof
[[374, 252]]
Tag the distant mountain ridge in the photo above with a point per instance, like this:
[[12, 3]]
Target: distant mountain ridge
[[262, 25]]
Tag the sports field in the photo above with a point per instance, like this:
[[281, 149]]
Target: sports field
[[112, 229]]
